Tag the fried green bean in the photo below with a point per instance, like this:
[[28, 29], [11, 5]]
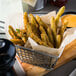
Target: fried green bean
[[58, 41], [40, 22], [21, 33], [24, 39], [29, 30], [50, 45], [34, 24], [53, 27], [49, 32], [26, 21], [61, 11], [38, 40], [33, 20], [44, 38], [17, 41], [18, 30], [42, 30], [22, 30], [13, 32]]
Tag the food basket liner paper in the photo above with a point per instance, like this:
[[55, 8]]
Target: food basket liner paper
[[16, 21]]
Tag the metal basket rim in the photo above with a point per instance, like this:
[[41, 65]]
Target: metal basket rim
[[35, 51]]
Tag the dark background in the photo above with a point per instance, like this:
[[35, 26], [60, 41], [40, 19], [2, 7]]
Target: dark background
[[70, 6]]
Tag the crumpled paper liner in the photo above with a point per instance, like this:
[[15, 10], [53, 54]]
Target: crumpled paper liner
[[16, 20], [46, 18]]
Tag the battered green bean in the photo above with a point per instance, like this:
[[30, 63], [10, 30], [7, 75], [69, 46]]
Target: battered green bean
[[33, 20], [17, 41], [53, 27], [41, 22], [38, 40], [26, 21], [22, 34], [60, 12], [34, 25], [42, 30], [29, 30], [13, 32], [58, 41], [49, 32], [44, 38]]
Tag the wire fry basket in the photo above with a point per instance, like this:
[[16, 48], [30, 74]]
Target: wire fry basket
[[36, 58]]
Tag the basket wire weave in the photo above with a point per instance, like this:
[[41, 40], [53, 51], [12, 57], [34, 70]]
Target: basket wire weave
[[36, 58]]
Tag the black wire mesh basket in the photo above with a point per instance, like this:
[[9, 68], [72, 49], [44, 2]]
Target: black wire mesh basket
[[36, 58]]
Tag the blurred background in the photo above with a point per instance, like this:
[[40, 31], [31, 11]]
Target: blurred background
[[35, 6], [9, 7]]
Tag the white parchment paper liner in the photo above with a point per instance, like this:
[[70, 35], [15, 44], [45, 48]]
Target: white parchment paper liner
[[16, 20]]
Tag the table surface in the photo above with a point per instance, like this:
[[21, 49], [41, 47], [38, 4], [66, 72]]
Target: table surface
[[64, 70], [68, 68]]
